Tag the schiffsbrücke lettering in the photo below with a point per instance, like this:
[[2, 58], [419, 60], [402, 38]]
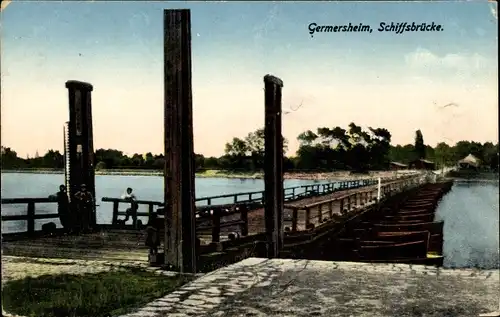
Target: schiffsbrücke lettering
[[399, 28]]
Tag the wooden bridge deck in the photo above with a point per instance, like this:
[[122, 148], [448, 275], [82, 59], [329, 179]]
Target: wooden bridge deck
[[256, 218], [116, 246]]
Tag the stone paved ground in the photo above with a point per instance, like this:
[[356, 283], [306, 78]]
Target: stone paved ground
[[261, 287]]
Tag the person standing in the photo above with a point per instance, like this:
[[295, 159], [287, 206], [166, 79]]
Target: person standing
[[134, 206], [85, 204], [63, 208]]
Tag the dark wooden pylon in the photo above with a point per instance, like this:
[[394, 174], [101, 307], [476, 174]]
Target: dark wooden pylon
[[80, 168], [180, 234], [273, 169]]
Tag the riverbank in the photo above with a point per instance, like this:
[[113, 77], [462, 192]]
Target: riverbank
[[344, 175]]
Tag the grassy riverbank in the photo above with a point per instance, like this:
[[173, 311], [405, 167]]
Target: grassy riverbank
[[71, 288], [345, 175]]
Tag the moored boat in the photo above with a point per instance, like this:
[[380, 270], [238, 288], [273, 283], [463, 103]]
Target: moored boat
[[430, 260], [432, 227], [429, 217], [417, 249]]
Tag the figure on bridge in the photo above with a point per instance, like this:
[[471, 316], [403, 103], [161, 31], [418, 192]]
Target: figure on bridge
[[134, 206], [63, 207], [153, 229], [85, 208]]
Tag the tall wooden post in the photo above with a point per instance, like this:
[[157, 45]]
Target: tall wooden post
[[180, 233], [80, 168], [273, 169]]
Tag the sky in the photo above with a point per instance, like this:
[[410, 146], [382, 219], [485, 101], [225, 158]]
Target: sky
[[443, 83]]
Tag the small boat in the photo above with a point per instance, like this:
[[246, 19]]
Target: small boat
[[414, 207], [410, 216], [436, 243], [420, 202], [430, 260], [429, 217], [432, 227], [417, 249], [406, 212], [401, 237], [403, 222]]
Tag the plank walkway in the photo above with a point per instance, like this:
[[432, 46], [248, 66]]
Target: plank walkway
[[256, 218]]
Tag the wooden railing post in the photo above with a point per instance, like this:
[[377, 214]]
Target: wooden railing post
[[150, 211], [341, 205], [349, 203], [320, 213], [308, 217], [31, 217], [244, 219], [134, 217], [115, 212], [330, 209], [216, 226], [295, 219]]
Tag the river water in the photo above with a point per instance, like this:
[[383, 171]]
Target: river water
[[21, 185], [470, 210], [471, 222]]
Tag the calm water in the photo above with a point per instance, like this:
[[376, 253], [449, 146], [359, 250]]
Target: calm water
[[20, 185], [471, 222]]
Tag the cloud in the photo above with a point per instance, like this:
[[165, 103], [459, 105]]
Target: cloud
[[493, 10], [423, 58]]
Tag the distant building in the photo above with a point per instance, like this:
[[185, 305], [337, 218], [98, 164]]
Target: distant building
[[469, 162], [422, 164], [398, 166]]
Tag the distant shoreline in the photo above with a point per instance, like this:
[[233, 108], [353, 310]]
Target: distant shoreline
[[345, 175]]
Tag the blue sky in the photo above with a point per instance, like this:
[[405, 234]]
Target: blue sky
[[396, 81]]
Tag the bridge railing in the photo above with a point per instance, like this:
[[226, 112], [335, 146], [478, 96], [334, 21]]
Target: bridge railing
[[31, 212], [311, 215], [213, 219], [210, 216]]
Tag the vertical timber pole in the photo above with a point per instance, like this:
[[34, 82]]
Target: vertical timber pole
[[273, 167], [179, 196], [80, 144], [379, 189]]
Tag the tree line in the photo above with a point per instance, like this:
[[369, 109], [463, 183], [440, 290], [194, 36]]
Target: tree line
[[325, 149]]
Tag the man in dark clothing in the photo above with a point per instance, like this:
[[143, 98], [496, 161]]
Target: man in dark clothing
[[63, 207], [153, 233], [85, 204]]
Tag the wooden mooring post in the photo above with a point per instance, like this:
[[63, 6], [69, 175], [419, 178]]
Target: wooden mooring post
[[273, 169], [180, 232], [80, 168]]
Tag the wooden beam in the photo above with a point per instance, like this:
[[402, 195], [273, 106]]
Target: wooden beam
[[180, 233], [273, 169]]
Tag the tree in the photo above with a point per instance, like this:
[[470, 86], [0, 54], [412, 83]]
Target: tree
[[247, 153], [443, 154], [10, 160], [419, 145]]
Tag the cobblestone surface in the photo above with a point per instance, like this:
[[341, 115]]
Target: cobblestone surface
[[261, 287]]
